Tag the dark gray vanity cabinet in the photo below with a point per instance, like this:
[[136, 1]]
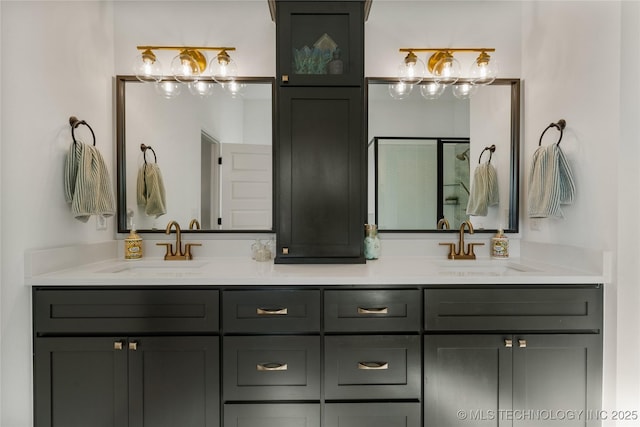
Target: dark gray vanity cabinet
[[320, 182], [372, 358], [271, 357], [514, 357], [108, 358]]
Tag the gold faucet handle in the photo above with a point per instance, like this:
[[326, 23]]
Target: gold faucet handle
[[451, 248], [187, 249], [470, 248], [169, 252]]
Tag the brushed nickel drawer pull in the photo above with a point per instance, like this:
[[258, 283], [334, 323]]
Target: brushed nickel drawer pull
[[373, 365], [522, 343], [508, 343], [272, 311], [380, 310], [117, 345], [271, 367]]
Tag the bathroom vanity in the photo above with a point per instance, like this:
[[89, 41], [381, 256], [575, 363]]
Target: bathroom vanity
[[402, 341]]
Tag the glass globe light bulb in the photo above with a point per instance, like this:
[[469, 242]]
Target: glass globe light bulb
[[168, 88], [432, 90], [411, 70], [483, 70], [223, 69], [400, 90], [464, 90], [201, 88], [234, 88], [185, 67], [147, 67], [447, 70]]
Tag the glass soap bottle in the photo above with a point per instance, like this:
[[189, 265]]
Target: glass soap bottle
[[500, 245], [371, 242], [133, 245]]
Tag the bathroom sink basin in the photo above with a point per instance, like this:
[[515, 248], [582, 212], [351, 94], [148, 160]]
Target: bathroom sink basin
[[482, 268], [156, 268]]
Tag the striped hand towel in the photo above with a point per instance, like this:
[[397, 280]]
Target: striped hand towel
[[151, 193], [550, 183], [484, 190], [87, 186]]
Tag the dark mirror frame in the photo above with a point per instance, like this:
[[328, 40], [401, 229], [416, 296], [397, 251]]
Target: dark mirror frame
[[120, 83], [514, 172]]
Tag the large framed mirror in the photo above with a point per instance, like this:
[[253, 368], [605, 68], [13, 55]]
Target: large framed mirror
[[208, 158], [424, 156]]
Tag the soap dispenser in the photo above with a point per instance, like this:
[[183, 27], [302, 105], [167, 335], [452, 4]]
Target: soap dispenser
[[133, 245], [500, 245]]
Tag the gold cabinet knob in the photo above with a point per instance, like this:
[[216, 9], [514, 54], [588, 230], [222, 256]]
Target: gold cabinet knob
[[133, 345], [508, 343], [117, 345], [522, 343]]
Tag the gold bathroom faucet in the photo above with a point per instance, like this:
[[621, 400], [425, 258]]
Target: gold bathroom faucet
[[177, 253], [461, 252]]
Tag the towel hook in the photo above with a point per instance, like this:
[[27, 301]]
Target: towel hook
[[75, 122], [491, 150], [144, 149], [560, 126]]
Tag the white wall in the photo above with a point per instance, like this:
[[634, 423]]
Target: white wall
[[57, 61], [627, 299]]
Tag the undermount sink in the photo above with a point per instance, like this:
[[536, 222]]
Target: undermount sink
[[156, 267], [482, 268]]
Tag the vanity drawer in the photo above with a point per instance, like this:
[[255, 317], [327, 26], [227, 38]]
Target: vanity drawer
[[271, 368], [508, 309], [272, 311], [373, 414], [372, 310], [372, 367], [272, 415], [131, 311]]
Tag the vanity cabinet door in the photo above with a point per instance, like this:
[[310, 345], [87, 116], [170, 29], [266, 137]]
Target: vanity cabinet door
[[320, 183], [557, 380], [541, 380], [80, 382], [467, 379], [174, 381], [320, 43]]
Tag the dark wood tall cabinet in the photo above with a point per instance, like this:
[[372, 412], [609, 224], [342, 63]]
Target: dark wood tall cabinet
[[320, 144]]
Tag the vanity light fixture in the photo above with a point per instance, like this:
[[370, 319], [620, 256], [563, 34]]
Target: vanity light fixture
[[189, 66], [445, 71]]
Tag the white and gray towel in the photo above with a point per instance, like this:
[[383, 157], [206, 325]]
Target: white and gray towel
[[550, 183], [87, 186], [151, 193], [484, 190]]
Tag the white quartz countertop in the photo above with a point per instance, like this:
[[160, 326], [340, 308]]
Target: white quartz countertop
[[391, 270]]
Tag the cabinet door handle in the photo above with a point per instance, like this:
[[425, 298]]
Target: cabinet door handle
[[508, 343], [272, 311], [271, 367], [133, 345], [377, 310], [117, 345], [373, 365], [522, 343], [285, 78]]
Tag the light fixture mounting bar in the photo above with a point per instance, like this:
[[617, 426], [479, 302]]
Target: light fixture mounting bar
[[447, 49], [219, 48]]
